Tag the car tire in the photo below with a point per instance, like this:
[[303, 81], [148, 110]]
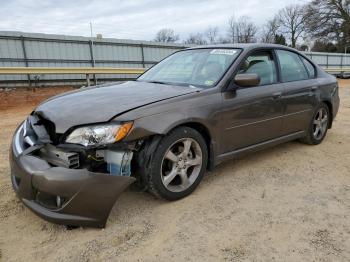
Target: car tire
[[178, 164], [318, 125]]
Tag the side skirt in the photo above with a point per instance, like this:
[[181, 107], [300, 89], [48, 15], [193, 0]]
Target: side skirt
[[257, 147]]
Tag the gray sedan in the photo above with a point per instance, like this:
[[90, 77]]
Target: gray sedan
[[76, 152]]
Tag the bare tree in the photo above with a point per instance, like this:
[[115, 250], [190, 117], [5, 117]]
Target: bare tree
[[292, 20], [223, 40], [232, 29], [270, 30], [212, 34], [246, 30], [196, 39], [166, 35], [329, 20]]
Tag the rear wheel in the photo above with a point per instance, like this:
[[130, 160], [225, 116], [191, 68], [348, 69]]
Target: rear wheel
[[318, 126], [178, 164]]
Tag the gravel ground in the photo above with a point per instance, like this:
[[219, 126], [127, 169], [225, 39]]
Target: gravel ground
[[288, 203]]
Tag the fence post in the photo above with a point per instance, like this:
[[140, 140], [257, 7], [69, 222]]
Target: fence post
[[327, 60], [88, 80], [341, 61], [341, 66], [142, 56], [92, 59], [25, 57]]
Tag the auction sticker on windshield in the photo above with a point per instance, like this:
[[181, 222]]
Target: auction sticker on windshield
[[223, 52]]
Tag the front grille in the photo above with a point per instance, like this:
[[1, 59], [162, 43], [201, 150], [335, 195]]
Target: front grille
[[37, 130], [34, 132], [29, 136]]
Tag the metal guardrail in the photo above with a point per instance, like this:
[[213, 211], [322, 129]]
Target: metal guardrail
[[102, 70], [70, 70], [336, 69]]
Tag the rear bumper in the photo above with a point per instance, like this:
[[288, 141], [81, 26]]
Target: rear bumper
[[88, 196], [335, 102]]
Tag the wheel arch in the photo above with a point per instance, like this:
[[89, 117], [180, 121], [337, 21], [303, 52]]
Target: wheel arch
[[145, 155], [205, 133]]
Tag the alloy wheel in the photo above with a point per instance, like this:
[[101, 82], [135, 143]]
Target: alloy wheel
[[181, 165]]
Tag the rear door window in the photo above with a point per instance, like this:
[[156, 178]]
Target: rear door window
[[292, 68]]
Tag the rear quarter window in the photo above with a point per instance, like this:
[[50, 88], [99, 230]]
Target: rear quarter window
[[292, 68], [309, 67]]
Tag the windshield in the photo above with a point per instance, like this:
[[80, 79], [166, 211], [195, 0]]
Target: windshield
[[197, 67]]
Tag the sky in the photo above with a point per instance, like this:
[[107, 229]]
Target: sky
[[131, 19]]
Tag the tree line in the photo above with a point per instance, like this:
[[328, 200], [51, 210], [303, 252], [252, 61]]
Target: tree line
[[320, 26]]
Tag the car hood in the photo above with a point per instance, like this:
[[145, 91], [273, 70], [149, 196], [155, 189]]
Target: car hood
[[101, 104]]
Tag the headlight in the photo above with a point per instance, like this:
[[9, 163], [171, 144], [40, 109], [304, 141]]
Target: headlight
[[99, 134]]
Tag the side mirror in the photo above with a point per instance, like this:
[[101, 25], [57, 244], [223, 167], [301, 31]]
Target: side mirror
[[247, 80]]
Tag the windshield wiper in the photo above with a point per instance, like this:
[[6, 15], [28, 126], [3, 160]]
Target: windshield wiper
[[172, 83], [158, 82]]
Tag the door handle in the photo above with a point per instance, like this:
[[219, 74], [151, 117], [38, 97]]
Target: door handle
[[276, 95], [314, 88]]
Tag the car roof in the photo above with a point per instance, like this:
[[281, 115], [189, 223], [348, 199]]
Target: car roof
[[244, 46]]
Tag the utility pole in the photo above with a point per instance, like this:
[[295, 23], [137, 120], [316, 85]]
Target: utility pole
[[92, 42], [92, 51]]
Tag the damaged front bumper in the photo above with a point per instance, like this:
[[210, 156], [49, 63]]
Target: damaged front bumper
[[75, 197]]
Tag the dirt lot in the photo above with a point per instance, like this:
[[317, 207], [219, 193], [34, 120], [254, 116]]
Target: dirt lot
[[288, 203]]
